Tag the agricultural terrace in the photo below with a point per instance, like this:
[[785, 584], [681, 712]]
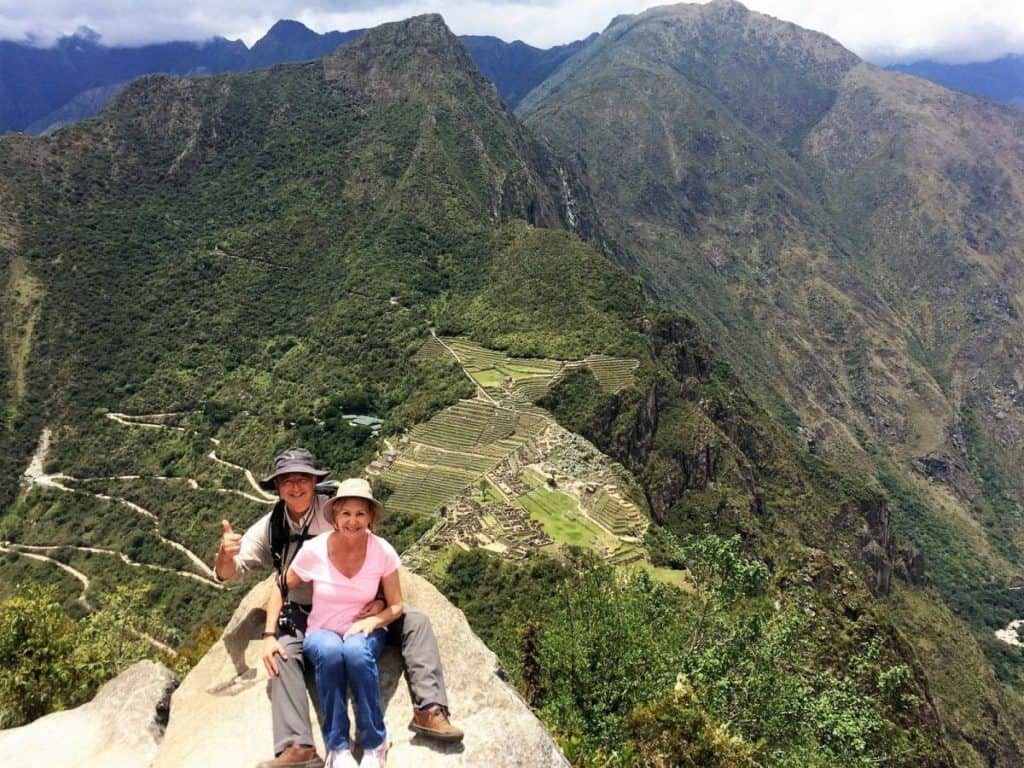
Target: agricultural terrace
[[453, 450], [518, 382]]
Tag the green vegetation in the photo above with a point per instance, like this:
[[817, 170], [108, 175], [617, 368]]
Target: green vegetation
[[241, 278], [609, 660], [833, 230], [55, 661]]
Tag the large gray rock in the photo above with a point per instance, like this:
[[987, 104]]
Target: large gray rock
[[221, 713], [120, 728]]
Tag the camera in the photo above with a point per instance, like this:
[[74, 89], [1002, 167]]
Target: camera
[[286, 621]]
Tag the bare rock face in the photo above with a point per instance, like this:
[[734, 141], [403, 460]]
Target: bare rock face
[[221, 713], [120, 728]]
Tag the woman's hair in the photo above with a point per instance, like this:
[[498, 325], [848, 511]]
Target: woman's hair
[[370, 510]]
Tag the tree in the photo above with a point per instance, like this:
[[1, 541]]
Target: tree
[[54, 662]]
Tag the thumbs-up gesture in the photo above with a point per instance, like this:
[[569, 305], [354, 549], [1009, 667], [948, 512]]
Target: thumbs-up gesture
[[230, 545], [230, 542]]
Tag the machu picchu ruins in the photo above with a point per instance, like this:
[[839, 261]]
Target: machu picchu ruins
[[499, 473]]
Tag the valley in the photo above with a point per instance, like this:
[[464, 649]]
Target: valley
[[483, 473]]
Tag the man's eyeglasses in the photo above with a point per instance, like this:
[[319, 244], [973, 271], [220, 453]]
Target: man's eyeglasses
[[295, 479]]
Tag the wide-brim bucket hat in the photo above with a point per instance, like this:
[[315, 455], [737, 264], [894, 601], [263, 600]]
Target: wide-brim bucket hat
[[353, 488], [289, 461]]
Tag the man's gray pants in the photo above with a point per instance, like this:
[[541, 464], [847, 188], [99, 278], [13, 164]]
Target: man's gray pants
[[412, 633]]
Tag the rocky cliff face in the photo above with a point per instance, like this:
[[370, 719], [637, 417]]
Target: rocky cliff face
[[851, 240], [849, 236], [120, 728], [221, 713]]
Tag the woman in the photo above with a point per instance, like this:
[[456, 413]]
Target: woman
[[346, 566]]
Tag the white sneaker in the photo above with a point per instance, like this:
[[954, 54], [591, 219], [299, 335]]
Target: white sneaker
[[340, 758], [378, 756]]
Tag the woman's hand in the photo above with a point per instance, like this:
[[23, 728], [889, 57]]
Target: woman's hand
[[272, 647], [372, 608], [367, 626]]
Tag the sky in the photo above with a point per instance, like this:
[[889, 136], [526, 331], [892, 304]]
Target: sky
[[882, 31]]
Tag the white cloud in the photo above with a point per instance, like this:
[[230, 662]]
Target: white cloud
[[879, 30], [890, 30]]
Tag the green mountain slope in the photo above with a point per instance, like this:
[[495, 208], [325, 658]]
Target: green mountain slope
[[214, 269], [850, 240]]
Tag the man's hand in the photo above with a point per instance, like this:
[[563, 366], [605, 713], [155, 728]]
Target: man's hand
[[372, 608], [272, 648], [367, 626], [230, 542], [230, 545]]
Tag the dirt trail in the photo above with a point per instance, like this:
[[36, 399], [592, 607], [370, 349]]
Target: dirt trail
[[133, 421], [136, 421], [248, 476], [37, 476], [43, 558], [196, 560], [82, 600], [114, 553], [245, 495], [192, 483], [129, 420], [131, 505], [192, 556]]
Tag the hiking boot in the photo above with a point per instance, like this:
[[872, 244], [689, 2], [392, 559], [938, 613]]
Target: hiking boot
[[433, 723], [378, 756], [294, 756]]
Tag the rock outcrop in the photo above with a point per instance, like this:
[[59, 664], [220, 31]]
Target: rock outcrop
[[120, 728], [221, 713]]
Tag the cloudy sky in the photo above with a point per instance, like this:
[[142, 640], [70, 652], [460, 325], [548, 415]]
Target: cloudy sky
[[879, 30]]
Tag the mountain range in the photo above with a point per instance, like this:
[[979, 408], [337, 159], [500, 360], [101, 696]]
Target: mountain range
[[1001, 79], [811, 268], [44, 88]]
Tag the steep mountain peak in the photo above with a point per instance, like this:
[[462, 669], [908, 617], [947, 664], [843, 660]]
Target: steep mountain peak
[[778, 78], [287, 31], [733, 20], [290, 40], [426, 33], [417, 49], [83, 37]]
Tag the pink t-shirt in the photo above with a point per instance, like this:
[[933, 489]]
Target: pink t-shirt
[[336, 598]]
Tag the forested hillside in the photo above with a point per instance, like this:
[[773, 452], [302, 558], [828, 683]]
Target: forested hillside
[[851, 239], [216, 268]]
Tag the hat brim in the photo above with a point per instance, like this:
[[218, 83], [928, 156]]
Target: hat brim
[[267, 483]]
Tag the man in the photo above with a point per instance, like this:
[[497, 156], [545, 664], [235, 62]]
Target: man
[[299, 518]]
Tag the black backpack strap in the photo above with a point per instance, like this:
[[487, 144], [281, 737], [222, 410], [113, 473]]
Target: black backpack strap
[[279, 535]]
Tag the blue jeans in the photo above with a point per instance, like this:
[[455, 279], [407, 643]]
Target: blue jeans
[[351, 662]]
